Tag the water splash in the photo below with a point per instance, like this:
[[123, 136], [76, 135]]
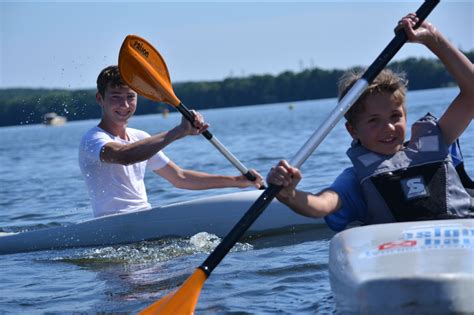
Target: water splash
[[206, 242], [148, 251]]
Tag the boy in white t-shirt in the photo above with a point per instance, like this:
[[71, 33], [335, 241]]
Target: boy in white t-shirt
[[113, 158]]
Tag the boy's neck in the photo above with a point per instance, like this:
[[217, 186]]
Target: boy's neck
[[119, 130]]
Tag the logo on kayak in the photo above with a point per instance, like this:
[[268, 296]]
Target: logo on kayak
[[392, 245], [426, 238], [138, 46]]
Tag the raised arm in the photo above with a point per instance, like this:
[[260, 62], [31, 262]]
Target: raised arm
[[461, 111]]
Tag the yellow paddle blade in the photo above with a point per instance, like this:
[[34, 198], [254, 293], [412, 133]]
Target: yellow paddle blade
[[143, 69], [183, 301]]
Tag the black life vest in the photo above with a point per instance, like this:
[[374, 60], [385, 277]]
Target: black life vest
[[417, 183]]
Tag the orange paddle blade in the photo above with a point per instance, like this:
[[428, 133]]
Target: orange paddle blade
[[144, 70], [183, 301]]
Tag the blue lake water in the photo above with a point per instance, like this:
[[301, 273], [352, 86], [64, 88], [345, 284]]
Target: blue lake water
[[41, 186]]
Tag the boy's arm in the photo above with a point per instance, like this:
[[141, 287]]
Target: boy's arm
[[194, 180], [302, 202], [126, 154], [461, 111], [314, 206]]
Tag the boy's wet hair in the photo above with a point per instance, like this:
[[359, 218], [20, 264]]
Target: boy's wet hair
[[386, 81], [109, 77]]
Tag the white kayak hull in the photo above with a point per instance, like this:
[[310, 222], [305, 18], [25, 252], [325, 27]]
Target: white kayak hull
[[404, 268], [216, 215]]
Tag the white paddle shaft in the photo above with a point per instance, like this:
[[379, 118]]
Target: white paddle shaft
[[337, 113]]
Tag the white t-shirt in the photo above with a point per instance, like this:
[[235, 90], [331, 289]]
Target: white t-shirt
[[112, 187]]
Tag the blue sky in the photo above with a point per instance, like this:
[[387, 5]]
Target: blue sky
[[64, 44]]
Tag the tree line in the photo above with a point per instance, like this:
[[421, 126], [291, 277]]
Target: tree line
[[28, 106]]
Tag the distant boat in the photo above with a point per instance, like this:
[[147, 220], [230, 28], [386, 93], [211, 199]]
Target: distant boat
[[53, 119]]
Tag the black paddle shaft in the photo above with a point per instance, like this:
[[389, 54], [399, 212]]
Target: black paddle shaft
[[397, 42], [269, 194], [190, 117], [239, 229]]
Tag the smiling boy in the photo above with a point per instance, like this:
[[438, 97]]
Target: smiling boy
[[392, 180], [113, 157]]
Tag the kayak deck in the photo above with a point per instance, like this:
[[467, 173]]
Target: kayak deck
[[404, 268]]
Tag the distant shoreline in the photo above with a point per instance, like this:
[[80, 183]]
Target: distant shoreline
[[24, 106]]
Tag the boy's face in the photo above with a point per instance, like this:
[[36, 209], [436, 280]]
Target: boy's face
[[118, 104], [381, 127]]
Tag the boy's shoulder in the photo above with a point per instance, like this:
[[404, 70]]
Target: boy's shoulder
[[346, 178], [428, 117], [424, 123], [137, 133], [95, 136], [94, 132], [426, 134]]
